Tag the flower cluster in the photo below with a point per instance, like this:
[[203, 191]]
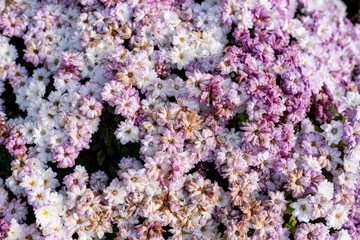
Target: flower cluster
[[245, 114]]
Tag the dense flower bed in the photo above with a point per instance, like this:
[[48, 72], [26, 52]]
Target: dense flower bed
[[175, 119]]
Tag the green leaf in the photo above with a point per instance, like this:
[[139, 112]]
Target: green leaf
[[288, 210], [250, 232], [124, 151], [113, 234], [342, 145], [318, 129], [107, 139], [327, 175], [117, 118], [113, 172], [5, 162], [292, 224], [110, 109], [96, 147], [334, 111], [242, 118], [101, 157], [287, 194], [109, 151], [338, 116], [231, 39], [292, 221]]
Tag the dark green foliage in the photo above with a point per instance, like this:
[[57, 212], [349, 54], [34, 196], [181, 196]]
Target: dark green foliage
[[250, 232], [20, 47], [237, 121], [292, 225], [11, 108], [105, 150], [5, 160], [113, 234]]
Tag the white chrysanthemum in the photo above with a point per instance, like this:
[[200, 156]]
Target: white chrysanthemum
[[28, 130], [348, 180], [127, 132], [149, 77], [337, 216], [182, 56], [296, 29], [351, 165], [73, 194], [343, 235], [41, 133], [94, 55], [326, 189], [31, 181], [233, 137], [42, 75], [36, 89], [311, 162], [302, 210], [115, 193], [324, 31], [57, 229], [171, 18], [352, 99], [149, 145], [351, 161], [86, 235], [47, 216], [323, 73], [214, 45], [13, 184], [314, 5], [3, 197], [57, 201], [181, 37], [246, 19], [8, 51], [49, 177], [22, 98], [38, 196], [333, 132], [37, 164], [332, 63], [307, 126], [16, 231]]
